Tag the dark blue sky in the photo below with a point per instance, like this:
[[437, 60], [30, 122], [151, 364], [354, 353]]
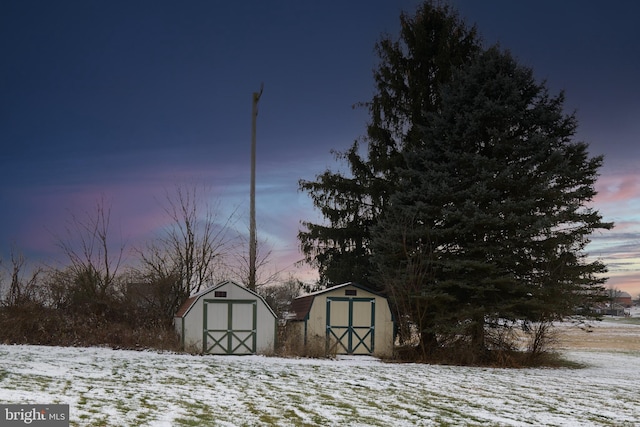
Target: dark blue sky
[[123, 99]]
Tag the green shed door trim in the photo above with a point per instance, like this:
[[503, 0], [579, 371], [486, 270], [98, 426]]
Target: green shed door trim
[[348, 336], [228, 338]]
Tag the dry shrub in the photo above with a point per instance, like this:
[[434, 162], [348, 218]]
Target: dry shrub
[[465, 355], [505, 346], [542, 337], [407, 353], [316, 347], [291, 344], [39, 325], [193, 348]]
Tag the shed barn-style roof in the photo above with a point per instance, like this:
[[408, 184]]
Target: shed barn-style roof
[[301, 305], [186, 306]]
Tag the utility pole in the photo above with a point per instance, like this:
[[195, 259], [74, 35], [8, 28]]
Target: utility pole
[[253, 240]]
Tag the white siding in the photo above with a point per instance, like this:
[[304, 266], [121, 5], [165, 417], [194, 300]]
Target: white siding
[[192, 325]]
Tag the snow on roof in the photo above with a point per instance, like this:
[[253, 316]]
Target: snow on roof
[[333, 288]]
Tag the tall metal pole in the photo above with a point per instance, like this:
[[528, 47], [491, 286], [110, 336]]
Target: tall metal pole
[[253, 240]]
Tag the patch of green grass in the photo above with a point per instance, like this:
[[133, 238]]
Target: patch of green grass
[[144, 402], [449, 411], [285, 374], [174, 381], [294, 398], [372, 404], [199, 420], [188, 422], [82, 401], [198, 412], [37, 381], [345, 405], [269, 419], [443, 423], [603, 420], [99, 422], [95, 409], [324, 396], [320, 420], [626, 320], [292, 416], [556, 361], [122, 405], [251, 407], [195, 406]]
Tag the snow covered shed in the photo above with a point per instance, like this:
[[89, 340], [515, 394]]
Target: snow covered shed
[[227, 318], [350, 318]]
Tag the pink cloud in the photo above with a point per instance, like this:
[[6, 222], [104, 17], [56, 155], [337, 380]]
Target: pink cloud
[[136, 204], [626, 282], [53, 209], [618, 188]]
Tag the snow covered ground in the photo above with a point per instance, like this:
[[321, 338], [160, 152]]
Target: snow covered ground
[[126, 388]]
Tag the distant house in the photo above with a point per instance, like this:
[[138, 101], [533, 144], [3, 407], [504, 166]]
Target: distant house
[[623, 299], [227, 318], [617, 303], [349, 318]]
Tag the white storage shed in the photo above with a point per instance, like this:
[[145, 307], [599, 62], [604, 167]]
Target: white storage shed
[[227, 318], [349, 318]]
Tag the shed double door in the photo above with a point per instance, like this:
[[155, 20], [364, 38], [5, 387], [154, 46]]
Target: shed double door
[[229, 326], [350, 325]]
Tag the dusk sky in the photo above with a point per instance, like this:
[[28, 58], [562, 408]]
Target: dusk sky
[[122, 100]]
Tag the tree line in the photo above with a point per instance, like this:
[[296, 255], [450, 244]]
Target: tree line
[[103, 292], [466, 202]]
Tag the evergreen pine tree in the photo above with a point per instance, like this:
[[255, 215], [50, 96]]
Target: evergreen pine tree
[[432, 44], [489, 219]]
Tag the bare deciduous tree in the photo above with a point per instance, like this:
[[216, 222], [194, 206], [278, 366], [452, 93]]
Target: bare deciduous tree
[[190, 253], [279, 296], [92, 270], [240, 269], [23, 286]]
